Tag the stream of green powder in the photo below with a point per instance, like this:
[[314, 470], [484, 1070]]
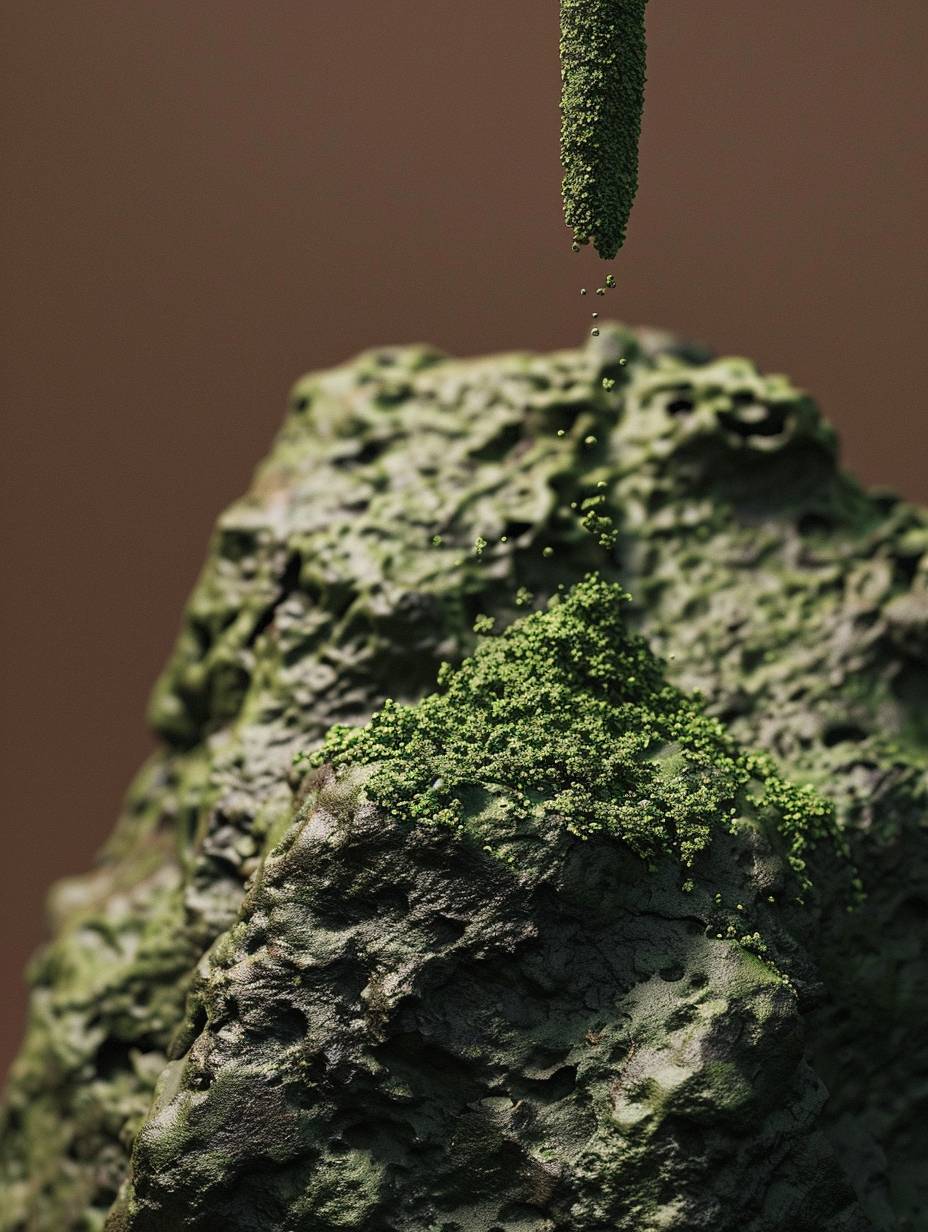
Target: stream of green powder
[[602, 49]]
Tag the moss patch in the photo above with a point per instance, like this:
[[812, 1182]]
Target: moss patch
[[566, 718]]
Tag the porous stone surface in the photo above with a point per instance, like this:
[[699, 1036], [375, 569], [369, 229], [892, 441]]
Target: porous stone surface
[[795, 602], [468, 989]]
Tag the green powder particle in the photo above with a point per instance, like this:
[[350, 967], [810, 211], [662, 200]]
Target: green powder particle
[[600, 525], [602, 93]]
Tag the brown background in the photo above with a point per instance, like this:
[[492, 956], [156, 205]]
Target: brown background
[[204, 198]]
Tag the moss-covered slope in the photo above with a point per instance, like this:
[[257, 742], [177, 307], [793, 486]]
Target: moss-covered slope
[[797, 604]]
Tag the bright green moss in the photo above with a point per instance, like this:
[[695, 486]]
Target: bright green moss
[[566, 718], [602, 93]]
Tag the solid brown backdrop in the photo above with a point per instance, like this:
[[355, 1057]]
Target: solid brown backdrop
[[205, 198]]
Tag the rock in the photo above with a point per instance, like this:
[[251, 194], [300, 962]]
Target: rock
[[468, 990], [784, 593]]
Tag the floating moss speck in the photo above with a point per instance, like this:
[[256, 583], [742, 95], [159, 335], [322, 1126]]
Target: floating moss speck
[[566, 719], [600, 525], [602, 49]]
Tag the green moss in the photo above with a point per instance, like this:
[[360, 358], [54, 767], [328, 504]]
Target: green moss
[[344, 1191], [566, 718], [602, 94]]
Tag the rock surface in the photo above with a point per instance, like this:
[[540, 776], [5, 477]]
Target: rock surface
[[795, 602], [469, 991]]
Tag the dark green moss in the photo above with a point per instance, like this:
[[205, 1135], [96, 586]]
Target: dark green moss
[[602, 94]]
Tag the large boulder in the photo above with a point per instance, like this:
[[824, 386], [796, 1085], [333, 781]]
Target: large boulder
[[795, 604], [524, 961]]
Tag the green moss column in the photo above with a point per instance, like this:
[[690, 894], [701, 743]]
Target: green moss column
[[602, 94]]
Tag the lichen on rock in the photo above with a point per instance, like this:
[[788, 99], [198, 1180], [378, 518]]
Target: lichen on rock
[[790, 609], [468, 989]]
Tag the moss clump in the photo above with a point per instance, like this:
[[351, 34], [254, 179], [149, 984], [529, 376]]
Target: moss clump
[[602, 93], [567, 718]]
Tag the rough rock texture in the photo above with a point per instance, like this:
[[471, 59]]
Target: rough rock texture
[[469, 991], [795, 602]]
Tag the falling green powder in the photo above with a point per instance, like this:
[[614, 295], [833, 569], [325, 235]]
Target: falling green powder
[[602, 94]]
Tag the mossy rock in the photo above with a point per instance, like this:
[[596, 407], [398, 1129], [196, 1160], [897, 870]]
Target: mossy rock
[[408, 498]]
